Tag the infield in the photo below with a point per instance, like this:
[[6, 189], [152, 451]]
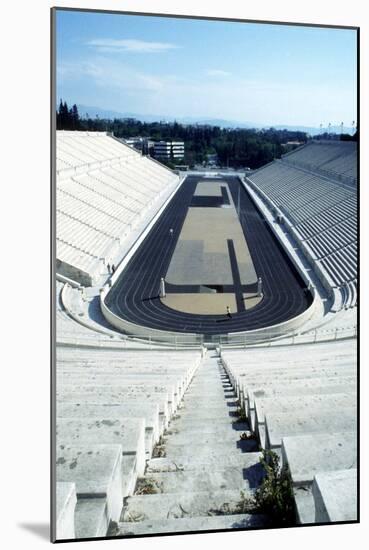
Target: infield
[[203, 256]]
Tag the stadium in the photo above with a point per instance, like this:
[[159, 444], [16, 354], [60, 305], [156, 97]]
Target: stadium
[[205, 321]]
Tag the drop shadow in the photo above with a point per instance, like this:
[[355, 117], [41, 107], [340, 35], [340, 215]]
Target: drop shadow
[[247, 445], [240, 426], [254, 475], [42, 530], [151, 298], [95, 313]]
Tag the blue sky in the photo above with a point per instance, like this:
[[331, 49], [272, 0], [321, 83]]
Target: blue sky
[[264, 74]]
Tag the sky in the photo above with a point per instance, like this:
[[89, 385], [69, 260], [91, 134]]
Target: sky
[[247, 72]]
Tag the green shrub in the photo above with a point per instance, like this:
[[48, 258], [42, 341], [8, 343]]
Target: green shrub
[[274, 496]]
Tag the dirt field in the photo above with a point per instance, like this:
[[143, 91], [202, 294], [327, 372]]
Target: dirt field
[[202, 256], [207, 304]]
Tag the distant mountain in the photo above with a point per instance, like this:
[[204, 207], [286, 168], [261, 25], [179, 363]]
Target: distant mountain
[[223, 123], [92, 112]]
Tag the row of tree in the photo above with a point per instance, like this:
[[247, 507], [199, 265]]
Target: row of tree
[[234, 147], [67, 118]]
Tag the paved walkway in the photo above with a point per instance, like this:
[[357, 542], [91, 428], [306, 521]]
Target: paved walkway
[[203, 465]]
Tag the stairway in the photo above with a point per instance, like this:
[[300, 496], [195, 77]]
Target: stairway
[[204, 463]]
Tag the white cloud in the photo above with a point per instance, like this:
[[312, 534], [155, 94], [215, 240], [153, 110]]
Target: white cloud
[[118, 86], [105, 73], [217, 72], [130, 45]]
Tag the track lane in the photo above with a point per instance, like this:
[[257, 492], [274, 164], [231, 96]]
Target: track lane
[[134, 296]]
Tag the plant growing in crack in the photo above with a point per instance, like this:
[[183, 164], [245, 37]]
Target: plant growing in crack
[[113, 529], [171, 431], [241, 415], [274, 496], [159, 449], [148, 486]]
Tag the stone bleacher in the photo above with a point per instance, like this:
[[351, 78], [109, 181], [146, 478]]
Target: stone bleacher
[[301, 403], [321, 211], [337, 157], [114, 405], [104, 191], [112, 409]]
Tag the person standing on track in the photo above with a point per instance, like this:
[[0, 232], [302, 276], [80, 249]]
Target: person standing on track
[[229, 314], [171, 232]]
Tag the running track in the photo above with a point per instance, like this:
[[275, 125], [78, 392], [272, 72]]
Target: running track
[[134, 296]]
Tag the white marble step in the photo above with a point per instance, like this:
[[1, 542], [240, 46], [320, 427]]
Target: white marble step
[[279, 425], [243, 461], [66, 500], [335, 496], [226, 478], [127, 432], [178, 505], [306, 455], [183, 525], [96, 471]]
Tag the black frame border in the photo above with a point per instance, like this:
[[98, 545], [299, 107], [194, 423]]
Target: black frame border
[[53, 13]]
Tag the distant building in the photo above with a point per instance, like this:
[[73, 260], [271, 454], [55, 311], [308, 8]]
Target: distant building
[[136, 142], [178, 149], [169, 149], [212, 159], [143, 144]]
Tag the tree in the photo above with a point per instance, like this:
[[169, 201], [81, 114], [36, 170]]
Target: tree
[[67, 119], [234, 147]]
